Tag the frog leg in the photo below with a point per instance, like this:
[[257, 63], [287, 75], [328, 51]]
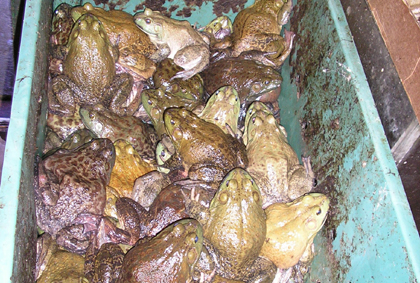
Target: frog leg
[[117, 96], [129, 218], [289, 37], [193, 59], [61, 100]]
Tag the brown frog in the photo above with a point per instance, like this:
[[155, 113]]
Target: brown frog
[[170, 256], [89, 75], [251, 79], [203, 150], [256, 29], [272, 161], [134, 46], [106, 124], [176, 40], [128, 167], [57, 265], [156, 101], [235, 227], [71, 185]]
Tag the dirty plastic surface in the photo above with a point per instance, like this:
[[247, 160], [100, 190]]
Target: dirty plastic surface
[[329, 114]]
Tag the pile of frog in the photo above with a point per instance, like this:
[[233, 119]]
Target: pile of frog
[[164, 158]]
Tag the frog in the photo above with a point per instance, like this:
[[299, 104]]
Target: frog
[[89, 75], [176, 40], [292, 227], [223, 109], [70, 187], [203, 151], [234, 226], [57, 265], [156, 101], [191, 89], [134, 45], [257, 28], [147, 187], [61, 24], [217, 29], [272, 161], [107, 124], [105, 264], [252, 80], [127, 168], [170, 256], [65, 126]]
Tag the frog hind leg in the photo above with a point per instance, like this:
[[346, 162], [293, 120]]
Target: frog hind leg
[[118, 95], [61, 97]]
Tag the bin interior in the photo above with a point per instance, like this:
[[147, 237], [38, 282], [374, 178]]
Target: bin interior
[[329, 114]]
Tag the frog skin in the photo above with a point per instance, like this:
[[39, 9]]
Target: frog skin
[[257, 29], [64, 126], [105, 264], [203, 150], [147, 187], [176, 40], [191, 89], [234, 224], [71, 183], [57, 265], [291, 228], [61, 24], [217, 29], [170, 256], [272, 161], [222, 109], [251, 79], [106, 124], [128, 167], [89, 75], [156, 101], [134, 46]]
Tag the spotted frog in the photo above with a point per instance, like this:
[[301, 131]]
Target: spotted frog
[[291, 228], [170, 256], [176, 40], [106, 124], [134, 46], [71, 183], [235, 224], [89, 75], [272, 161], [203, 150]]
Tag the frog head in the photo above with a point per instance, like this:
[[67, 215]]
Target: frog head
[[150, 22]]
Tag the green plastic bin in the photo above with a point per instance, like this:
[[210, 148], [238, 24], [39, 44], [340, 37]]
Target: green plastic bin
[[329, 114]]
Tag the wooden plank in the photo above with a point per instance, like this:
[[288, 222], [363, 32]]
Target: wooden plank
[[402, 36]]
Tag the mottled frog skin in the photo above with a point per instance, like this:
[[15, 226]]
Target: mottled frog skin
[[176, 40], [64, 126], [106, 124], [291, 228], [204, 150], [128, 167], [61, 24], [89, 75], [272, 161], [168, 257], [134, 46], [71, 183]]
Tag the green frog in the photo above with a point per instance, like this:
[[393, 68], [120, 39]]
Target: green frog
[[203, 150], [71, 183], [134, 46], [217, 29], [170, 256], [272, 161], [106, 124], [176, 40], [89, 75], [156, 101], [222, 109], [256, 29], [292, 227], [235, 226]]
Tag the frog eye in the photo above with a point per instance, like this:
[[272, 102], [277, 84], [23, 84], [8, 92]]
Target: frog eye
[[149, 102], [318, 212], [266, 82], [223, 198], [192, 256], [314, 182], [172, 122], [148, 20], [227, 183], [92, 115], [196, 239]]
